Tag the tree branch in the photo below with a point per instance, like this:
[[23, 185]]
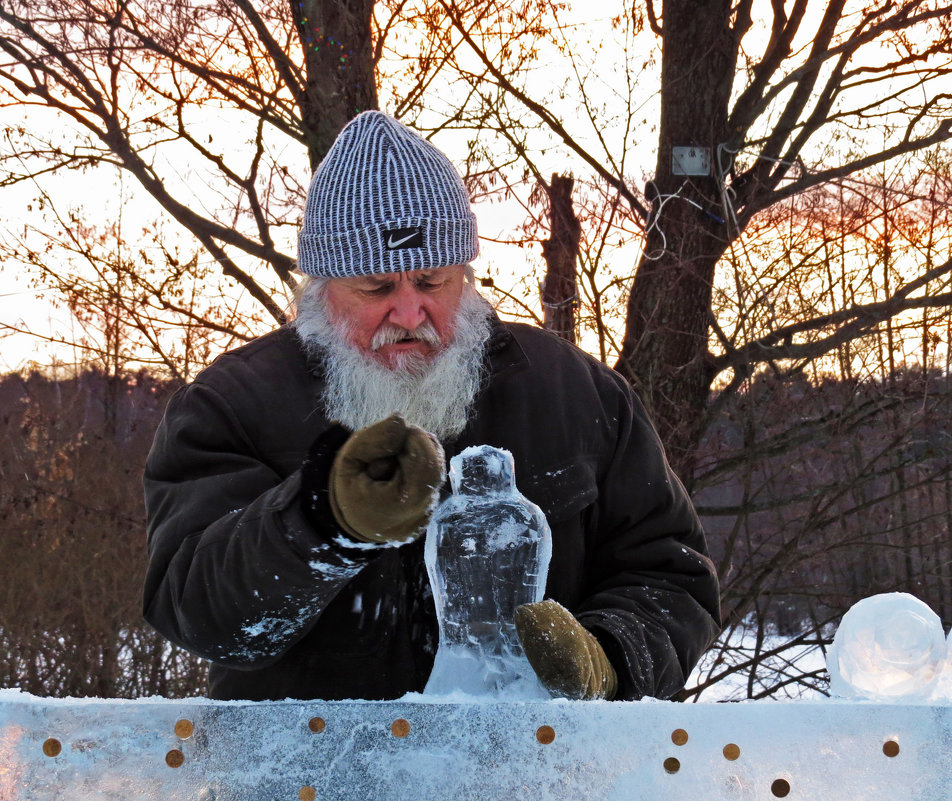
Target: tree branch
[[545, 116], [853, 322]]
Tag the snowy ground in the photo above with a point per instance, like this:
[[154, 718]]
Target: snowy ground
[[740, 667], [887, 647]]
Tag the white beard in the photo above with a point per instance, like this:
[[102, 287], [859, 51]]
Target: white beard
[[360, 390]]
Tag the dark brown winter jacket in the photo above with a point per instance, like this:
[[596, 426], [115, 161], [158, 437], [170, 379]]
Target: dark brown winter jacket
[[238, 576]]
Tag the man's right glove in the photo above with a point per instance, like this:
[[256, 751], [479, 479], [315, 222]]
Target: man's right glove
[[385, 480], [566, 657]]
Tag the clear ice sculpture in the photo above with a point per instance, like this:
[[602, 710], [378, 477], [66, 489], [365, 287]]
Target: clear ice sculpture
[[487, 552], [887, 647]]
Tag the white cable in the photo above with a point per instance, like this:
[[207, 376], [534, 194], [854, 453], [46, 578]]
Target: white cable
[[656, 215]]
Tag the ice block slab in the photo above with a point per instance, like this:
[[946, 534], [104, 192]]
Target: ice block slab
[[422, 751]]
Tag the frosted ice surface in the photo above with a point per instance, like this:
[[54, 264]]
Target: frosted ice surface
[[943, 686], [487, 552], [887, 646], [414, 750]]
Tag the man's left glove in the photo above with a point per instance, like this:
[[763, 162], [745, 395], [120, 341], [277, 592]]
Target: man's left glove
[[384, 481], [567, 658]]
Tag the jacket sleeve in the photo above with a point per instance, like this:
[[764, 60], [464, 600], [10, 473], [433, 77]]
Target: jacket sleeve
[[236, 573], [652, 598]]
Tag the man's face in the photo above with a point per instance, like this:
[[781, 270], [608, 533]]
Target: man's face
[[383, 312]]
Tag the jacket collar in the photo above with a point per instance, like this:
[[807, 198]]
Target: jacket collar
[[503, 351]]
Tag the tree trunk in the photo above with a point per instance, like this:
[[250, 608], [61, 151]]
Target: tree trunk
[[664, 351], [560, 250], [339, 56]]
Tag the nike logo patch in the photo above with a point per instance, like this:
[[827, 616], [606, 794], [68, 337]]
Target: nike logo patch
[[401, 238]]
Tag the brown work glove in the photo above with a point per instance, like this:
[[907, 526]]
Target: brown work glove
[[384, 481], [567, 658]]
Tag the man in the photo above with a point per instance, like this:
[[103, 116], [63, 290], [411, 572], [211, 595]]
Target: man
[[289, 484]]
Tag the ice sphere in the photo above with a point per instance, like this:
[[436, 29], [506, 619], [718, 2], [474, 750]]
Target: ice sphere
[[942, 690], [888, 646], [487, 552]]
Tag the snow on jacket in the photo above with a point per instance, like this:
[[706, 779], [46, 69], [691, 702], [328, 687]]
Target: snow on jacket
[[236, 574]]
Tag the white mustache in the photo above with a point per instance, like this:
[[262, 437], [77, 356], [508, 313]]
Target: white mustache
[[388, 334], [433, 393]]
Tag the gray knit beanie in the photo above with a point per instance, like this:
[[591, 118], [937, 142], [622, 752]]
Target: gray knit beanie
[[384, 200]]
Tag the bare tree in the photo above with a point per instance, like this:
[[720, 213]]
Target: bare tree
[[70, 622], [147, 86], [758, 103], [781, 134], [561, 253], [821, 481], [813, 517], [217, 111], [134, 305]]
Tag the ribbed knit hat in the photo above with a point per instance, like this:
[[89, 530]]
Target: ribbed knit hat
[[384, 200]]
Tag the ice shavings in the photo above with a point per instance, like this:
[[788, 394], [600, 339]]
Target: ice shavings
[[335, 565], [271, 632], [271, 627], [333, 572]]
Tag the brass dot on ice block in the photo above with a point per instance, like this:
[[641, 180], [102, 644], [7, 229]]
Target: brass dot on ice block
[[731, 751], [891, 748], [545, 735], [184, 728], [679, 737], [780, 788], [316, 725], [52, 747], [175, 758], [307, 793], [400, 727], [672, 765]]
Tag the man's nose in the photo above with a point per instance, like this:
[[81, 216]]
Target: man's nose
[[407, 310]]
